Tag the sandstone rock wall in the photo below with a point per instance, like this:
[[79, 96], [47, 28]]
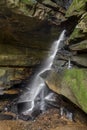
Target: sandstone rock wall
[[23, 46]]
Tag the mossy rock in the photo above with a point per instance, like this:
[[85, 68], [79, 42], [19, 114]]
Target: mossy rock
[[80, 31], [76, 34], [71, 83], [78, 7], [76, 80]]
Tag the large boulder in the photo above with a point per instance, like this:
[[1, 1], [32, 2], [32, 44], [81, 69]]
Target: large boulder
[[70, 83]]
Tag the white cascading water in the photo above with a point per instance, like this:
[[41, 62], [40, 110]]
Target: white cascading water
[[38, 85]]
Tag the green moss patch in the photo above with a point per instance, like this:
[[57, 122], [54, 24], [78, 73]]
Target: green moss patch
[[76, 80]]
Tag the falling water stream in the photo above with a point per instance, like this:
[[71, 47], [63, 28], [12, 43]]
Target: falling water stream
[[38, 84]]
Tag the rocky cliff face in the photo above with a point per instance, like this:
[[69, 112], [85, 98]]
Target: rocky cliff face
[[72, 60], [19, 53], [24, 42]]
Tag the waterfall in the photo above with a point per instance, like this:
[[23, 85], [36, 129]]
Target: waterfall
[[38, 85]]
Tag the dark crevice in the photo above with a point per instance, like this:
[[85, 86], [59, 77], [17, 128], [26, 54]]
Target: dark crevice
[[69, 25], [84, 51]]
